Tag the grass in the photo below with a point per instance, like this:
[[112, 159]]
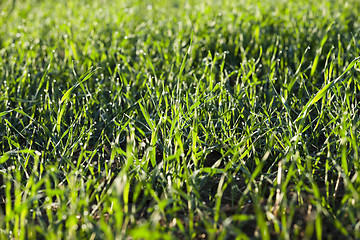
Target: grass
[[179, 119]]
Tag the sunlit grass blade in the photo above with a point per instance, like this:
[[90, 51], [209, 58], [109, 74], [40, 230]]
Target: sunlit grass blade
[[83, 78]]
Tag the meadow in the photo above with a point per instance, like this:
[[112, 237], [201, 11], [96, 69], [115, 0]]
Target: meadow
[[182, 119]]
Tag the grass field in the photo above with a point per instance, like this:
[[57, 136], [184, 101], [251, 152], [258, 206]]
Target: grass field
[[182, 119]]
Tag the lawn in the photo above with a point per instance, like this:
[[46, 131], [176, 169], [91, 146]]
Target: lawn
[[182, 119]]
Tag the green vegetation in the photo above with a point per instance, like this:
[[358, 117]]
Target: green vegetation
[[180, 119]]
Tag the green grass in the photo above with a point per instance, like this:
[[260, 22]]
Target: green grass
[[179, 119]]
